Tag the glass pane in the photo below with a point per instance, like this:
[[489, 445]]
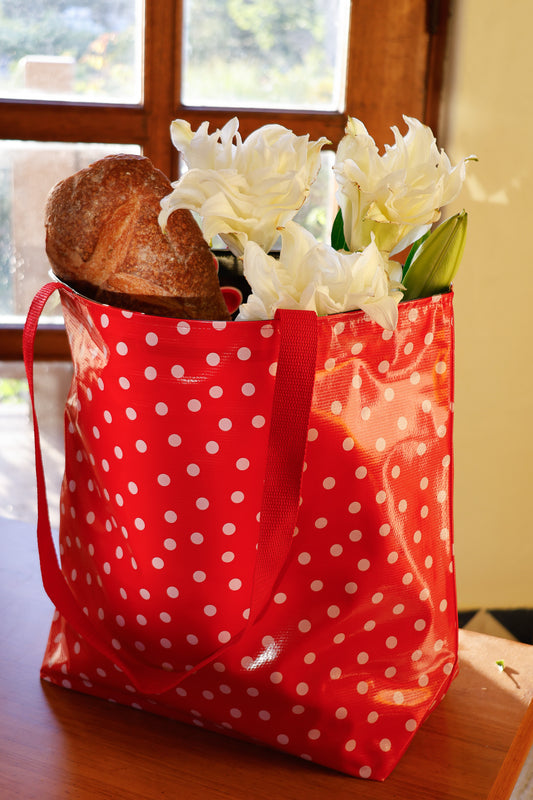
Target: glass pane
[[81, 50], [28, 170], [265, 53], [319, 211], [18, 494]]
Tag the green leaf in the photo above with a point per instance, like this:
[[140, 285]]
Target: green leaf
[[338, 242]]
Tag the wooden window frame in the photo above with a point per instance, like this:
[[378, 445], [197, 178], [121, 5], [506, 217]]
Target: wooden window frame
[[394, 68]]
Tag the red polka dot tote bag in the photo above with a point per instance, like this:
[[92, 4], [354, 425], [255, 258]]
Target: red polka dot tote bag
[[256, 529]]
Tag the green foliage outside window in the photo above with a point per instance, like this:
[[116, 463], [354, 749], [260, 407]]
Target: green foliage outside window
[[96, 34], [259, 50]]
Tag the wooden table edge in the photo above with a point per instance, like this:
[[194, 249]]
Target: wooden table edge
[[515, 759]]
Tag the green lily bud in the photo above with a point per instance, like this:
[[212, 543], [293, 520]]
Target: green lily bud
[[437, 260]]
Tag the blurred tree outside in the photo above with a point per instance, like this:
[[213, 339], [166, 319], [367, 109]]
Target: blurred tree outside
[[98, 35], [259, 50], [265, 53]]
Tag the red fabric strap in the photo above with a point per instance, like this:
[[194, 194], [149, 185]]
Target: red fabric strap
[[54, 581], [293, 393], [284, 465]]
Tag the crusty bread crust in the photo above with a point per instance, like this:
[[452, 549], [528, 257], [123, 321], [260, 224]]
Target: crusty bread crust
[[103, 238]]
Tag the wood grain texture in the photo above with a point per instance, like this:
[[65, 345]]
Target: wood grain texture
[[58, 744], [51, 343], [387, 57], [515, 759]]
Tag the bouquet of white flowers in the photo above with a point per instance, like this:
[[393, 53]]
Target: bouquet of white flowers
[[248, 193]]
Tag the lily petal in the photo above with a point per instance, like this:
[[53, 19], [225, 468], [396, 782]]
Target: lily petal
[[243, 190]]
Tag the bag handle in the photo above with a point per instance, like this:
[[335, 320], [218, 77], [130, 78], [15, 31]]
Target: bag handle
[[291, 406], [293, 391]]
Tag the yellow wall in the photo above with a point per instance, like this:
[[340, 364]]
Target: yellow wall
[[488, 110]]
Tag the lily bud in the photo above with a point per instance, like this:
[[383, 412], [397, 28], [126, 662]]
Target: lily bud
[[436, 261]]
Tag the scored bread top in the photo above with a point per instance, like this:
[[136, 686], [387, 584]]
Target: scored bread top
[[104, 239]]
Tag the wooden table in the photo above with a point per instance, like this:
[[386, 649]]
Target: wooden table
[[57, 744]]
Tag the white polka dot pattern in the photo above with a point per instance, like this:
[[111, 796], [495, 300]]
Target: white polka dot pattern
[[167, 427]]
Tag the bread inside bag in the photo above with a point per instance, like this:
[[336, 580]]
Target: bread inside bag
[[103, 238]]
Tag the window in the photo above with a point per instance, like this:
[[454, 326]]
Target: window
[[101, 76]]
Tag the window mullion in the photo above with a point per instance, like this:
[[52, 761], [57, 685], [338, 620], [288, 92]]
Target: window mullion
[[390, 68], [316, 124], [71, 122], [162, 62]]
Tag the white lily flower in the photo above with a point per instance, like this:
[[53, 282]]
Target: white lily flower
[[203, 150], [396, 196], [242, 190], [313, 276]]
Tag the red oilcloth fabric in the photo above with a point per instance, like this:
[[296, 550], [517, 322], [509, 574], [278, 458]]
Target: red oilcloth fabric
[[256, 524]]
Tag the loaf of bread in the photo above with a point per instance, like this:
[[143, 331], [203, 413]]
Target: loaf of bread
[[103, 238]]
